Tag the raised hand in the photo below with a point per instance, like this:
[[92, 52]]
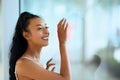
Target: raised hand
[[62, 31], [48, 65]]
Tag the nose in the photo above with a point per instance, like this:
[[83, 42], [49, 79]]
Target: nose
[[46, 31]]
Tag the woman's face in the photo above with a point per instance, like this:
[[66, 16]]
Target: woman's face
[[38, 33]]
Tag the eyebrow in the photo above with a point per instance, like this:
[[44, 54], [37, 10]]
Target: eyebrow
[[41, 24]]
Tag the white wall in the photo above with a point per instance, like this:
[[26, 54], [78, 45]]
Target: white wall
[[10, 13]]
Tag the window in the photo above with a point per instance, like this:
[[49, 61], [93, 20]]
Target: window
[[94, 27], [52, 11]]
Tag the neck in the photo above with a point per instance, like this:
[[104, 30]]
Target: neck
[[33, 52]]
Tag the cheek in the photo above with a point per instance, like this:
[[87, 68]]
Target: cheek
[[40, 33], [36, 36]]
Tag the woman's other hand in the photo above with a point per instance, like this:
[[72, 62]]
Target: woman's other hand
[[49, 64]]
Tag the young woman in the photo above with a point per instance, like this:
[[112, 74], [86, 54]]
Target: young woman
[[30, 36]]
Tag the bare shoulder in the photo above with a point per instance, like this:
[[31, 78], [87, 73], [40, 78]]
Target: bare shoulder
[[24, 66], [32, 70], [21, 64]]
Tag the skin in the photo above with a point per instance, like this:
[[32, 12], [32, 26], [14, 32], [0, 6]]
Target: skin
[[31, 70]]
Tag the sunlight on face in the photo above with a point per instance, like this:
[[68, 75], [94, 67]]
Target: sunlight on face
[[38, 32]]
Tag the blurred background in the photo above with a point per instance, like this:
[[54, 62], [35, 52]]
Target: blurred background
[[93, 42], [1, 63]]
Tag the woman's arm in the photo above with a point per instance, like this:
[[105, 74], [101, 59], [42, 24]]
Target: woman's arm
[[62, 36]]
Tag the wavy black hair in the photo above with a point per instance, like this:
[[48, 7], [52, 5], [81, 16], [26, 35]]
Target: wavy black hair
[[19, 43]]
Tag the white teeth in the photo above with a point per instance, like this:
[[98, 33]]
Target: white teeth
[[45, 38]]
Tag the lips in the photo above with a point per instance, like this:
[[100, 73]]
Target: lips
[[45, 38]]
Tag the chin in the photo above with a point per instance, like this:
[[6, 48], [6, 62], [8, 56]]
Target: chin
[[45, 45]]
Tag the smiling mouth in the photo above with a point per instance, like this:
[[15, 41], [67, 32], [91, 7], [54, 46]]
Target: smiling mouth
[[45, 38]]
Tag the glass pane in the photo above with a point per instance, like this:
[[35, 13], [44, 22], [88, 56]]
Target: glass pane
[[93, 36], [1, 63], [52, 11]]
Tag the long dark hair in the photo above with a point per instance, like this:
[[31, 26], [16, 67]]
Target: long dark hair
[[19, 43]]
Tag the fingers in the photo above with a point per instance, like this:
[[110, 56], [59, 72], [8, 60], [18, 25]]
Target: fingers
[[60, 21], [49, 61], [62, 24], [48, 65], [66, 27], [53, 69]]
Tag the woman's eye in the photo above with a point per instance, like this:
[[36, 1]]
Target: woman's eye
[[39, 28], [46, 27], [42, 28]]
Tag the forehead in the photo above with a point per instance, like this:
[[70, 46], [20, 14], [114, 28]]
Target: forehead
[[36, 21]]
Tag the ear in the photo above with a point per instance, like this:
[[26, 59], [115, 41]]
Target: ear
[[26, 35]]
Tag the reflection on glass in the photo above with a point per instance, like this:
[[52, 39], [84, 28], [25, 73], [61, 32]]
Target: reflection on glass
[[52, 12], [94, 35]]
